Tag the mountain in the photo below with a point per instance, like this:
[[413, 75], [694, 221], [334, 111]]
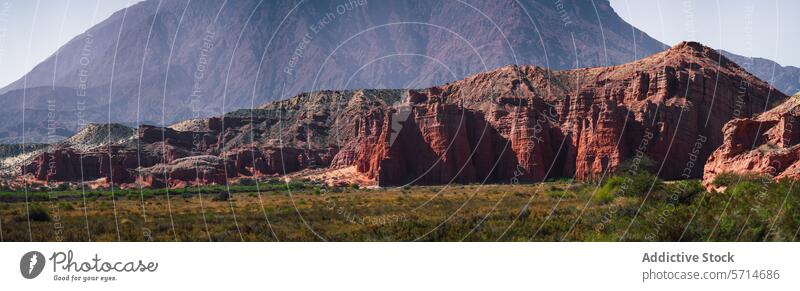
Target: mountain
[[515, 123], [786, 79], [584, 123], [163, 61]]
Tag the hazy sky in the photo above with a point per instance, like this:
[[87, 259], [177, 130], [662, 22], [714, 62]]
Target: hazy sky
[[763, 28], [756, 28], [51, 23]]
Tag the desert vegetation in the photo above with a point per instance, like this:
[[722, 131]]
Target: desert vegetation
[[626, 206]]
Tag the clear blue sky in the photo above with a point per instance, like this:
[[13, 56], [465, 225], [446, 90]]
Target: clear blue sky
[[51, 23], [755, 28]]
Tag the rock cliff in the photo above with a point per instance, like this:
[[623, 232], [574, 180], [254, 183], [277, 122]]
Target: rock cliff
[[768, 144], [516, 123], [526, 123]]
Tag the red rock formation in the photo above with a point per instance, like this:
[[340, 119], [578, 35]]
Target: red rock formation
[[682, 96], [196, 170], [764, 145], [116, 164], [512, 124]]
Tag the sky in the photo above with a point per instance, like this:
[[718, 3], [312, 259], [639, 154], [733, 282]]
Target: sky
[[759, 28], [755, 28], [52, 23]]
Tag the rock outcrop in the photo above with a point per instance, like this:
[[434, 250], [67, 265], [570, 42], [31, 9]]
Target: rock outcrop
[[768, 144], [516, 123], [526, 123]]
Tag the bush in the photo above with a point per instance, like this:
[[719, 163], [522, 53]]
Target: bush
[[296, 185], [629, 185], [37, 212], [67, 206], [641, 183], [727, 179], [63, 187], [222, 196], [633, 166], [683, 191], [607, 193], [746, 188], [247, 182]]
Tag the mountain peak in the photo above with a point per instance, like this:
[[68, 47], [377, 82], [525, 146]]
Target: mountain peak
[[690, 45], [154, 63], [687, 49]]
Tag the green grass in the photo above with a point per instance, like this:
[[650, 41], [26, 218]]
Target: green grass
[[36, 194], [750, 209]]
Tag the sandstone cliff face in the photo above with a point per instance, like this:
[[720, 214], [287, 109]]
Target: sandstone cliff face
[[526, 123], [512, 124], [764, 145]]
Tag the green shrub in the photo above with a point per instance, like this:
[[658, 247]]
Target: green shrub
[[633, 166], [683, 191], [67, 206], [296, 185], [643, 182], [247, 182], [727, 179], [628, 185], [37, 212], [606, 193], [746, 188], [222, 196]]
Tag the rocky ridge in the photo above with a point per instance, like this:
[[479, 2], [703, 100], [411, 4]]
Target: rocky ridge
[[516, 123]]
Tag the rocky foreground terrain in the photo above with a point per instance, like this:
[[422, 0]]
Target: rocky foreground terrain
[[516, 123]]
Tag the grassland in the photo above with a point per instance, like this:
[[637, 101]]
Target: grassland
[[621, 208]]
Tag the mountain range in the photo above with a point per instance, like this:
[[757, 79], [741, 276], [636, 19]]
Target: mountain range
[[170, 93], [163, 61], [515, 123]]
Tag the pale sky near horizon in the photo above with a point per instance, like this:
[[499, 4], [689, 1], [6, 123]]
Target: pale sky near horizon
[[32, 30], [755, 28]]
